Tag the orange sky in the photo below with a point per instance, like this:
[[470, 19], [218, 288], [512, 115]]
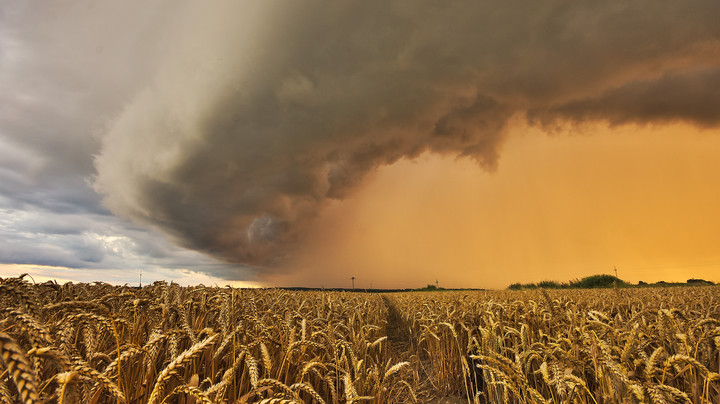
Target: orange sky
[[561, 206]]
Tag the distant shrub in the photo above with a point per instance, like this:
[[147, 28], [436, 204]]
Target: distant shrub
[[590, 282], [694, 281], [549, 285], [597, 281], [520, 286], [430, 288]]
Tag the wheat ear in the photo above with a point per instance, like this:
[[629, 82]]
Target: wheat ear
[[191, 390], [86, 371], [19, 369], [308, 389], [174, 366]]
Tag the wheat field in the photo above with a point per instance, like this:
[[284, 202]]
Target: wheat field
[[163, 343]]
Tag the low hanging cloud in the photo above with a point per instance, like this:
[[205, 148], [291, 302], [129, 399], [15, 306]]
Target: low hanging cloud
[[259, 113], [676, 96]]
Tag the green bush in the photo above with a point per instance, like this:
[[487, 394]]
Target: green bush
[[590, 282], [597, 281], [694, 281], [549, 285]]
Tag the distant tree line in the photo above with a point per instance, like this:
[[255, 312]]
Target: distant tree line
[[601, 281]]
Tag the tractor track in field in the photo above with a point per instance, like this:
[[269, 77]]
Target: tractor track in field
[[397, 330]]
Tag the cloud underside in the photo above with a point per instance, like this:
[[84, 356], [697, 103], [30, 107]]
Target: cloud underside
[[259, 114]]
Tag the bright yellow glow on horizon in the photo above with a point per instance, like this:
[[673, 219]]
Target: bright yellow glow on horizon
[[43, 273]]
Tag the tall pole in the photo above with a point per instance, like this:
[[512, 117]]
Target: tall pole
[[353, 282], [616, 279]]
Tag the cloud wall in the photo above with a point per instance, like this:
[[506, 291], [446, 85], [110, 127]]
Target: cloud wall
[[259, 113]]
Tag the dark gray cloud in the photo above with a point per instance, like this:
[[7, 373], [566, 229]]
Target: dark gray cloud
[[239, 143], [228, 126], [691, 95]]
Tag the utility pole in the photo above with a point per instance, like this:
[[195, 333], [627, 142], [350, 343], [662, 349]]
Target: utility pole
[[140, 278], [437, 285], [353, 282], [615, 281]]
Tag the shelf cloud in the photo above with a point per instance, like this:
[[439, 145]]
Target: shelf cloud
[[257, 114]]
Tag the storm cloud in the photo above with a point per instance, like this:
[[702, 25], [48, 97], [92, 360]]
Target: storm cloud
[[65, 70], [257, 114]]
